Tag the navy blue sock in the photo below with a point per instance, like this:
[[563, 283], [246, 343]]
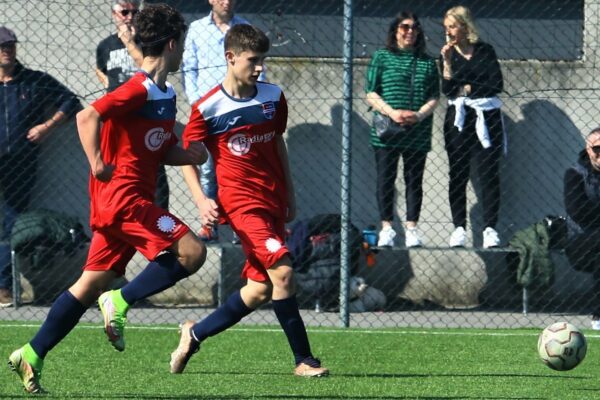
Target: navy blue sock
[[288, 314], [62, 318], [162, 273], [222, 318]]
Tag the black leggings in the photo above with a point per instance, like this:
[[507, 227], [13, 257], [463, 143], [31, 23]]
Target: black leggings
[[461, 148], [386, 159]]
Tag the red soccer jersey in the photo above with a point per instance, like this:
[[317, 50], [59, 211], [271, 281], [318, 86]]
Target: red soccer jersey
[[240, 135], [137, 131]]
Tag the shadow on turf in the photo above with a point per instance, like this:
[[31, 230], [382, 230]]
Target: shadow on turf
[[499, 375], [345, 397]]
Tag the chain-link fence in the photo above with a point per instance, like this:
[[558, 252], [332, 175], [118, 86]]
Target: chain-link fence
[[547, 57]]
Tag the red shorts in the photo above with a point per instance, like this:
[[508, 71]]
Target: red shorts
[[262, 237], [147, 228]]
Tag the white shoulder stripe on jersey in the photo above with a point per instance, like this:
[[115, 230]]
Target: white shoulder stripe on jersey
[[219, 103], [154, 93]]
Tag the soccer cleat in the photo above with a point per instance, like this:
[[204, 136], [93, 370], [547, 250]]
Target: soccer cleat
[[310, 368], [114, 311], [187, 347], [412, 238], [490, 238], [458, 237], [386, 237], [30, 376]]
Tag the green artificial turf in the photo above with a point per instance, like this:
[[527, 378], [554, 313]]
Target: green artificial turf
[[255, 363]]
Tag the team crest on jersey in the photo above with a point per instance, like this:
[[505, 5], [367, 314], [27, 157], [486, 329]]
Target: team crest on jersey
[[155, 137], [268, 109], [273, 245], [165, 223]]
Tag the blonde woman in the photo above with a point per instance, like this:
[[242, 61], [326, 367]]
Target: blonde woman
[[473, 129]]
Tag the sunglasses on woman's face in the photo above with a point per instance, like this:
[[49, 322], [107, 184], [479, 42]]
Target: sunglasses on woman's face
[[596, 149], [407, 27]]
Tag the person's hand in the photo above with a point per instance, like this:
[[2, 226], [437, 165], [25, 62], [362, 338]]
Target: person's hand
[[125, 32], [397, 116], [410, 117], [467, 89], [447, 50], [101, 171], [38, 133], [403, 117], [209, 212]]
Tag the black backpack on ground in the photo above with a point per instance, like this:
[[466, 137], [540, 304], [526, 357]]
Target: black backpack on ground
[[315, 247]]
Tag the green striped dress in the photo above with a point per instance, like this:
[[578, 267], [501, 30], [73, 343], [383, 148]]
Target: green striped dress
[[389, 76]]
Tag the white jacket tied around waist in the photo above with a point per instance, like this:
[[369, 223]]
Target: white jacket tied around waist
[[479, 105]]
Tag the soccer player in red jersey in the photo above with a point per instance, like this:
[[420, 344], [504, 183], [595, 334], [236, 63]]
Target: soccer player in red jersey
[[241, 122], [136, 136]]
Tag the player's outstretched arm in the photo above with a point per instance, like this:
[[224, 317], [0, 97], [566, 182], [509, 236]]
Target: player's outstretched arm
[[195, 154], [283, 155], [88, 127]]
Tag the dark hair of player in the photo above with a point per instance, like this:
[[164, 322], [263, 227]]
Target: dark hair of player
[[245, 37], [155, 25]]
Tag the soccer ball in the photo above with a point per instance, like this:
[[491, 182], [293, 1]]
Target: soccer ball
[[562, 346]]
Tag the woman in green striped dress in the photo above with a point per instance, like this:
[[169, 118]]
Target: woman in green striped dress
[[402, 82]]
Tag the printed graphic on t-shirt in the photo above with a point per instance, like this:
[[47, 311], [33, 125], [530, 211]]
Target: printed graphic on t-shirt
[[120, 58]]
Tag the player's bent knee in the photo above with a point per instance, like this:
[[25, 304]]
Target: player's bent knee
[[192, 252], [255, 295], [195, 257]]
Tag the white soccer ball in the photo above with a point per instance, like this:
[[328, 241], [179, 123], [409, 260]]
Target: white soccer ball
[[562, 346]]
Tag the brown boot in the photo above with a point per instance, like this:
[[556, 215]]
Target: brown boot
[[6, 299]]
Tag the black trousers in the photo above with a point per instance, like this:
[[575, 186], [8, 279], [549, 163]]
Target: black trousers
[[462, 147], [583, 252], [386, 159]]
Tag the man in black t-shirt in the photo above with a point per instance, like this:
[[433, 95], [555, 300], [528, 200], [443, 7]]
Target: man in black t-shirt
[[117, 56]]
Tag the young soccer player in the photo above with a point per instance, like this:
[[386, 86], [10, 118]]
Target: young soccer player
[[241, 122], [137, 135]]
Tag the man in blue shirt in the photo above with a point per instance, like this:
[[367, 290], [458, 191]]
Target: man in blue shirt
[[32, 103], [204, 68]]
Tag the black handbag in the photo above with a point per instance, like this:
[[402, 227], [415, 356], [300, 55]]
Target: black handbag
[[387, 129]]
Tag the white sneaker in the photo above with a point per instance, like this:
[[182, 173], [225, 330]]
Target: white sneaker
[[386, 237], [596, 323], [490, 238], [458, 237], [412, 238]]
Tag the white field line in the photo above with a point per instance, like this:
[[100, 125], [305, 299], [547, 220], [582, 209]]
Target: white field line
[[325, 331]]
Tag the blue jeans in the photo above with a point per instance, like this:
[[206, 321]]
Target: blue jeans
[[208, 178], [10, 216]]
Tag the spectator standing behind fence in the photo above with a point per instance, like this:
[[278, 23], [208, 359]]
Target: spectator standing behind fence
[[473, 126], [582, 203], [242, 122], [204, 67], [402, 83], [124, 153], [32, 104], [118, 58]]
